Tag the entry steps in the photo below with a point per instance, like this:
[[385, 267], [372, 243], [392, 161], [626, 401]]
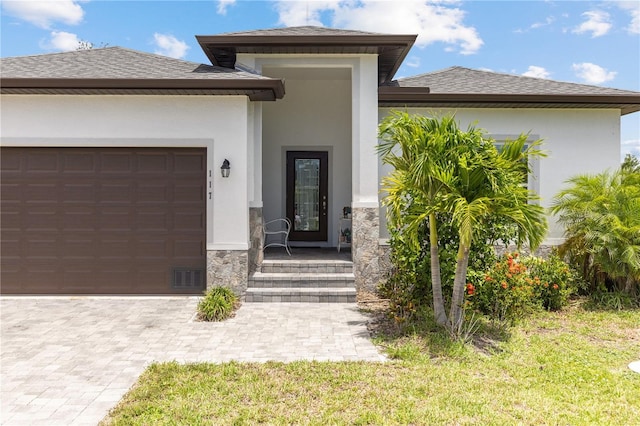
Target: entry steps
[[316, 281]]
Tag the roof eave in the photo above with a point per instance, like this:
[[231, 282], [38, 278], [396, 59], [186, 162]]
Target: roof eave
[[264, 89], [416, 96], [234, 44]]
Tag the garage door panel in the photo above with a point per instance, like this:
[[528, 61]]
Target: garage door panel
[[115, 219], [156, 163], [40, 193], [115, 162], [79, 162], [116, 193], [11, 163], [188, 163], [149, 220], [42, 161], [79, 193], [105, 220], [188, 219], [152, 249], [80, 247], [188, 249], [150, 193], [79, 219], [191, 193], [39, 218]]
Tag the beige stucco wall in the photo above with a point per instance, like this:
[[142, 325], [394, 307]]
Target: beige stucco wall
[[576, 141]]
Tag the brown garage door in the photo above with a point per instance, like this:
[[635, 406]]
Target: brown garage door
[[102, 220]]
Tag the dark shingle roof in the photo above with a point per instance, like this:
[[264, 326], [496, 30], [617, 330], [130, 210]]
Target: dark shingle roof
[[308, 30], [465, 80], [467, 88], [222, 49], [113, 68]]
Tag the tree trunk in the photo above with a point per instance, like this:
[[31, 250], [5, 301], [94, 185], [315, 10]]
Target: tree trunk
[[457, 299], [628, 285], [436, 282]]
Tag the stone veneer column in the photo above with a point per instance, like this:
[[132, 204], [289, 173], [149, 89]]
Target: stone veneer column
[[228, 268], [364, 247], [256, 238]]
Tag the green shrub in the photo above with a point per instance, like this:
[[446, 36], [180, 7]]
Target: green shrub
[[514, 287], [409, 284], [218, 303], [507, 291], [601, 216], [612, 301], [557, 281]]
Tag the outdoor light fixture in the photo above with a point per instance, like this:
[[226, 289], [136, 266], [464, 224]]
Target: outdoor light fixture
[[225, 169]]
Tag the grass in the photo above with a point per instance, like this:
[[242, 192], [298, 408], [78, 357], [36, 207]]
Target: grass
[[554, 368]]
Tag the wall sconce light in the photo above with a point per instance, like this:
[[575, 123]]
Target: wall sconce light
[[225, 169]]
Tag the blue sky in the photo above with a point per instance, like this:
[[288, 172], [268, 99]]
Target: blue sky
[[592, 42]]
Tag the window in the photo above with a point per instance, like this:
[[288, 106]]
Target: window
[[532, 182]]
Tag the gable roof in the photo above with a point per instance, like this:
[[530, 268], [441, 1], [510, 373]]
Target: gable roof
[[115, 70], [463, 87], [391, 49]]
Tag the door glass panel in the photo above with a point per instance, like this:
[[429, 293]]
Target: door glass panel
[[307, 194]]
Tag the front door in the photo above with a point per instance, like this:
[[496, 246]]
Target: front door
[[307, 197]]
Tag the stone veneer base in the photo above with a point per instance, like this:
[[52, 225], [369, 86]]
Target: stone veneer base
[[256, 238], [365, 247], [228, 268]]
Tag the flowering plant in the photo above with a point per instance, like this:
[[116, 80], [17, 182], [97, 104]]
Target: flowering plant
[[557, 281], [506, 292]]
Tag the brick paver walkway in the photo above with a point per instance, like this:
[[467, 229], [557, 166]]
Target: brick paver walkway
[[69, 360]]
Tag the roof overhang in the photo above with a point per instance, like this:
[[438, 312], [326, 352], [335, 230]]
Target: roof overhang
[[255, 89], [391, 49], [417, 97]]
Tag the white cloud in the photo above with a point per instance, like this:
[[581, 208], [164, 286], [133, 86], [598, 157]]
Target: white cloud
[[168, 45], [633, 7], [61, 41], [413, 62], [44, 13], [223, 5], [597, 23], [592, 73], [631, 146], [433, 21], [537, 72], [550, 20]]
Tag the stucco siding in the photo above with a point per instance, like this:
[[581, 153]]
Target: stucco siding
[[576, 141], [220, 124], [315, 115]]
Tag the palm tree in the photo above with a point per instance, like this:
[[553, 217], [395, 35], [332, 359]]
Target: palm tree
[[438, 168], [601, 215]]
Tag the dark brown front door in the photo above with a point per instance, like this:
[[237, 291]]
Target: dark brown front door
[[307, 195], [102, 220]]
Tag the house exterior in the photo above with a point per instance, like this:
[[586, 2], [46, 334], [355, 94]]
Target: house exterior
[[111, 158]]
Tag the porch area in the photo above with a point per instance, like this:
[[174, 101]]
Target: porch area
[[320, 275]]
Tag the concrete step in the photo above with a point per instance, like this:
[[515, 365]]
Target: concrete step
[[298, 294], [307, 266], [301, 280]]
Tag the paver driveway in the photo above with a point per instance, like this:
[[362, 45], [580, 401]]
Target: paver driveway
[[69, 360]]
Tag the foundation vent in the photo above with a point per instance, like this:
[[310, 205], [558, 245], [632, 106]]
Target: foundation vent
[[188, 279]]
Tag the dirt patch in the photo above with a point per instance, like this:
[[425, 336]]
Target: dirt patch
[[377, 309]]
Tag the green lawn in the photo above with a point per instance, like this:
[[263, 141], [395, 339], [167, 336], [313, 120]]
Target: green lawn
[[566, 368]]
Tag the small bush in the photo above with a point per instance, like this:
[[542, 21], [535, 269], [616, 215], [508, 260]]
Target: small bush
[[557, 281], [612, 301], [218, 303], [507, 291]]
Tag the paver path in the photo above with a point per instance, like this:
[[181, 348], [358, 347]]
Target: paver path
[[69, 360]]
